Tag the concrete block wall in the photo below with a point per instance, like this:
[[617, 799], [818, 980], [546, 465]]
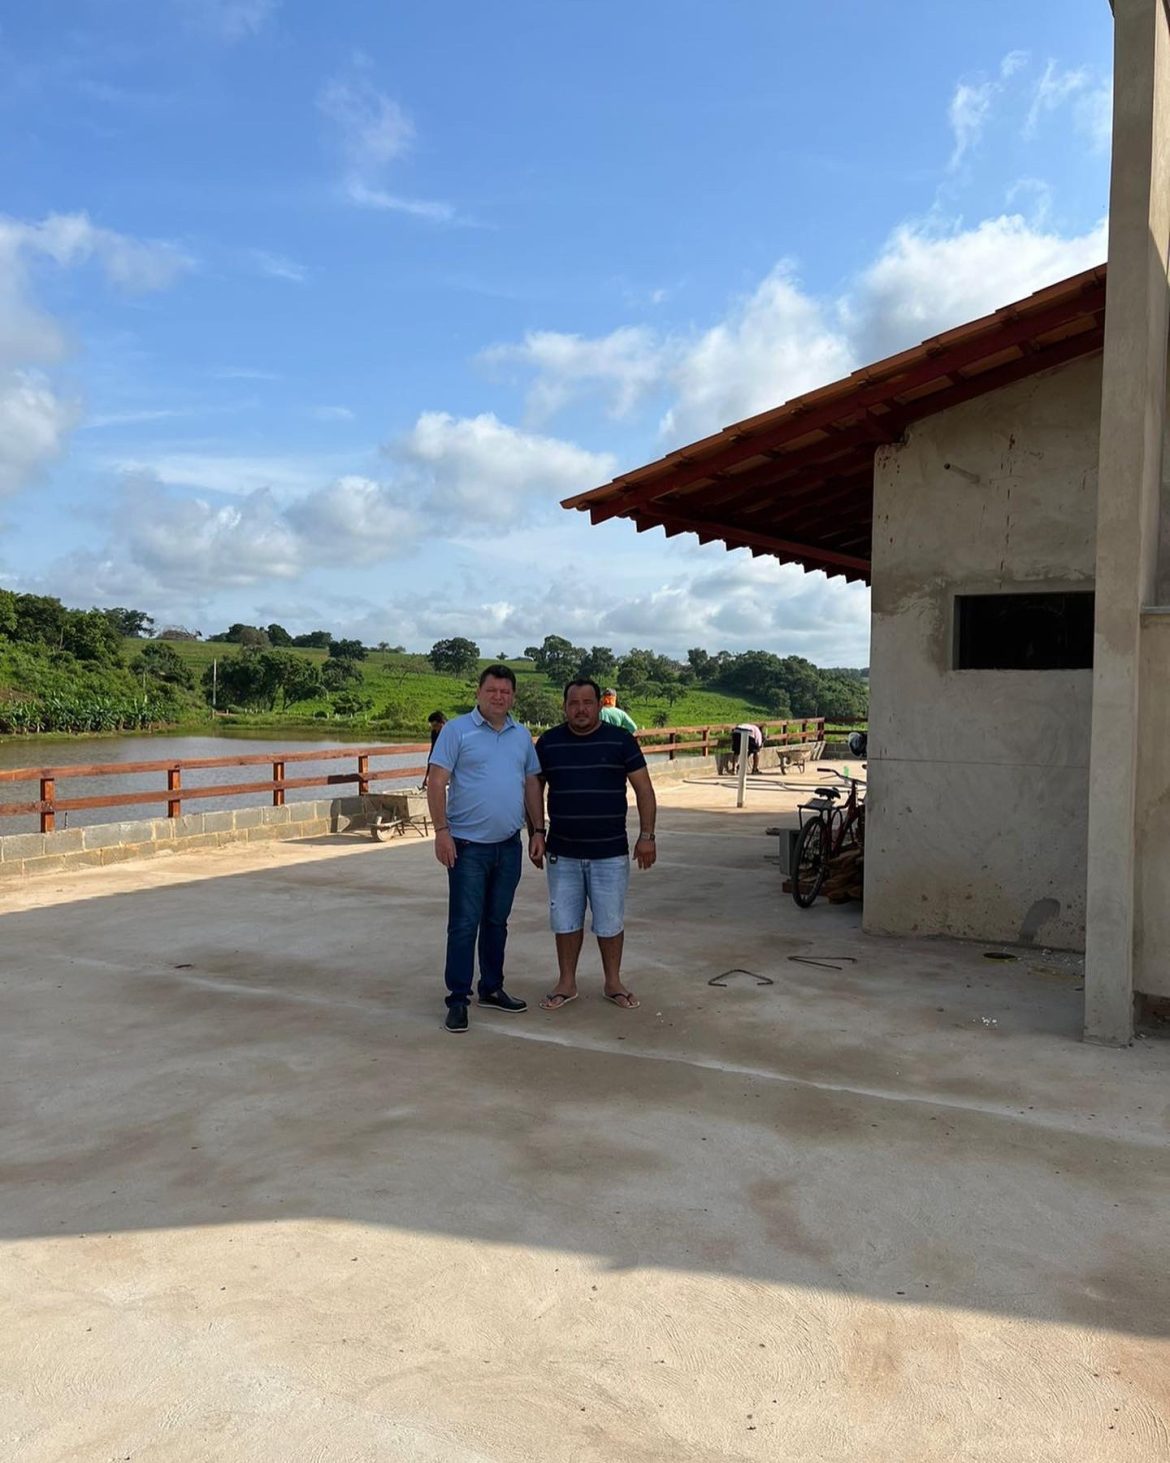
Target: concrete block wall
[[26, 854]]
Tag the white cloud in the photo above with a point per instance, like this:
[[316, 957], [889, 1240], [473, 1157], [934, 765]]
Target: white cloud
[[1093, 114], [223, 472], [71, 239], [479, 470], [780, 341], [229, 20], [244, 373], [968, 113], [926, 280], [1090, 98], [128, 418], [360, 193], [374, 131], [374, 128], [623, 367], [355, 521], [36, 417], [34, 424], [772, 346], [193, 543], [276, 266], [739, 603], [333, 413]]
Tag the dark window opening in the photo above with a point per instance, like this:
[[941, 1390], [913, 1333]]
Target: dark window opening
[[1024, 632]]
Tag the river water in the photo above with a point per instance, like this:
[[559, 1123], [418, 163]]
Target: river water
[[38, 752]]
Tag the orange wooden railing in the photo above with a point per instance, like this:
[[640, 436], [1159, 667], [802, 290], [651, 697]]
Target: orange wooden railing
[[669, 740], [49, 804]]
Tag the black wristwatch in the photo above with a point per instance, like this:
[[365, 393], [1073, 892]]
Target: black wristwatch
[[645, 838], [535, 831]]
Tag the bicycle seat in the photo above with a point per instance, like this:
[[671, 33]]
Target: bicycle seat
[[832, 793]]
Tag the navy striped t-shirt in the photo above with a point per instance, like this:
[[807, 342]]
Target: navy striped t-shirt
[[586, 778]]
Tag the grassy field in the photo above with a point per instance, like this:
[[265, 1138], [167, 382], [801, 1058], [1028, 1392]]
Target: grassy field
[[405, 690]]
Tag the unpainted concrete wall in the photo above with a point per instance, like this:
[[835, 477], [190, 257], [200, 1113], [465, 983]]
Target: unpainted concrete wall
[[25, 854], [1151, 973], [978, 780]]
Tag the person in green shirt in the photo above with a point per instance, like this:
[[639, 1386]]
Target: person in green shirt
[[613, 713]]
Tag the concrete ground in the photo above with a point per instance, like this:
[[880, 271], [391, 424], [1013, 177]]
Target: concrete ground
[[256, 1205]]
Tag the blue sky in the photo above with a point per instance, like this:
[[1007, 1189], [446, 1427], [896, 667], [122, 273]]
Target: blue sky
[[313, 313]]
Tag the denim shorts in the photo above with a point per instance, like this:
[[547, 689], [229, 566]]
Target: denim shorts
[[601, 883]]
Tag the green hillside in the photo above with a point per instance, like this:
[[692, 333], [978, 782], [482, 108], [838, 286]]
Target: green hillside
[[70, 672], [404, 690]]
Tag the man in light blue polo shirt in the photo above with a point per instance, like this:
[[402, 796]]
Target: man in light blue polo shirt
[[483, 778]]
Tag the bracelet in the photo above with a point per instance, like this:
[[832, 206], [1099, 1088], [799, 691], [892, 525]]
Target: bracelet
[[443, 829], [535, 831], [645, 838]]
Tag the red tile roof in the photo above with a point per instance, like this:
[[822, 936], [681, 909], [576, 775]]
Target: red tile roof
[[797, 481]]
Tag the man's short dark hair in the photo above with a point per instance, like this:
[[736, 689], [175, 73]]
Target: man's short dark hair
[[582, 681], [436, 716], [501, 673]]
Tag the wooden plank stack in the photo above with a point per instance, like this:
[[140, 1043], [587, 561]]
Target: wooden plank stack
[[844, 878]]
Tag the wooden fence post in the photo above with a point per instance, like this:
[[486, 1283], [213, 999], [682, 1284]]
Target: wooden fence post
[[363, 775], [48, 792], [174, 784], [278, 792]]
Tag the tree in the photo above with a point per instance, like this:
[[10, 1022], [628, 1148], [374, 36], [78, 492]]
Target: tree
[[40, 620], [755, 674], [129, 624], [556, 657], [279, 637], [252, 637], [237, 681], [89, 635], [336, 675], [302, 680], [261, 678], [703, 663], [536, 706], [635, 668], [347, 650], [843, 697], [455, 657], [599, 665], [177, 632], [314, 640], [7, 613], [159, 662]]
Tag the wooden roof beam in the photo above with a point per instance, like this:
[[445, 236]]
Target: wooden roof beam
[[677, 471], [746, 538]]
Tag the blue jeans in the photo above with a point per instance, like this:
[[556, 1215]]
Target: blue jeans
[[481, 888]]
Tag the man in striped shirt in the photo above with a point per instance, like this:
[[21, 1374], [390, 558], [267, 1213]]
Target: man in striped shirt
[[585, 763]]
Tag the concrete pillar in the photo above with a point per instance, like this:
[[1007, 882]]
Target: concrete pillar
[[1133, 411]]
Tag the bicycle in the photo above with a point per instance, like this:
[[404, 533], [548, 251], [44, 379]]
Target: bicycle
[[833, 829]]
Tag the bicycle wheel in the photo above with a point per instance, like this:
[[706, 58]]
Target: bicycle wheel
[[810, 862], [853, 836]]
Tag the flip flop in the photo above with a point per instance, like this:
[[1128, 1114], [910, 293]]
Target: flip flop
[[555, 1000], [623, 1000]]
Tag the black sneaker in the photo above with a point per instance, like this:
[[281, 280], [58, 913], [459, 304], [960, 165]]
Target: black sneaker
[[456, 1017], [502, 1001]]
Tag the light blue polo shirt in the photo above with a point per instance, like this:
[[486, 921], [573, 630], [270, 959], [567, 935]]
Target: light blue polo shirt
[[485, 800]]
